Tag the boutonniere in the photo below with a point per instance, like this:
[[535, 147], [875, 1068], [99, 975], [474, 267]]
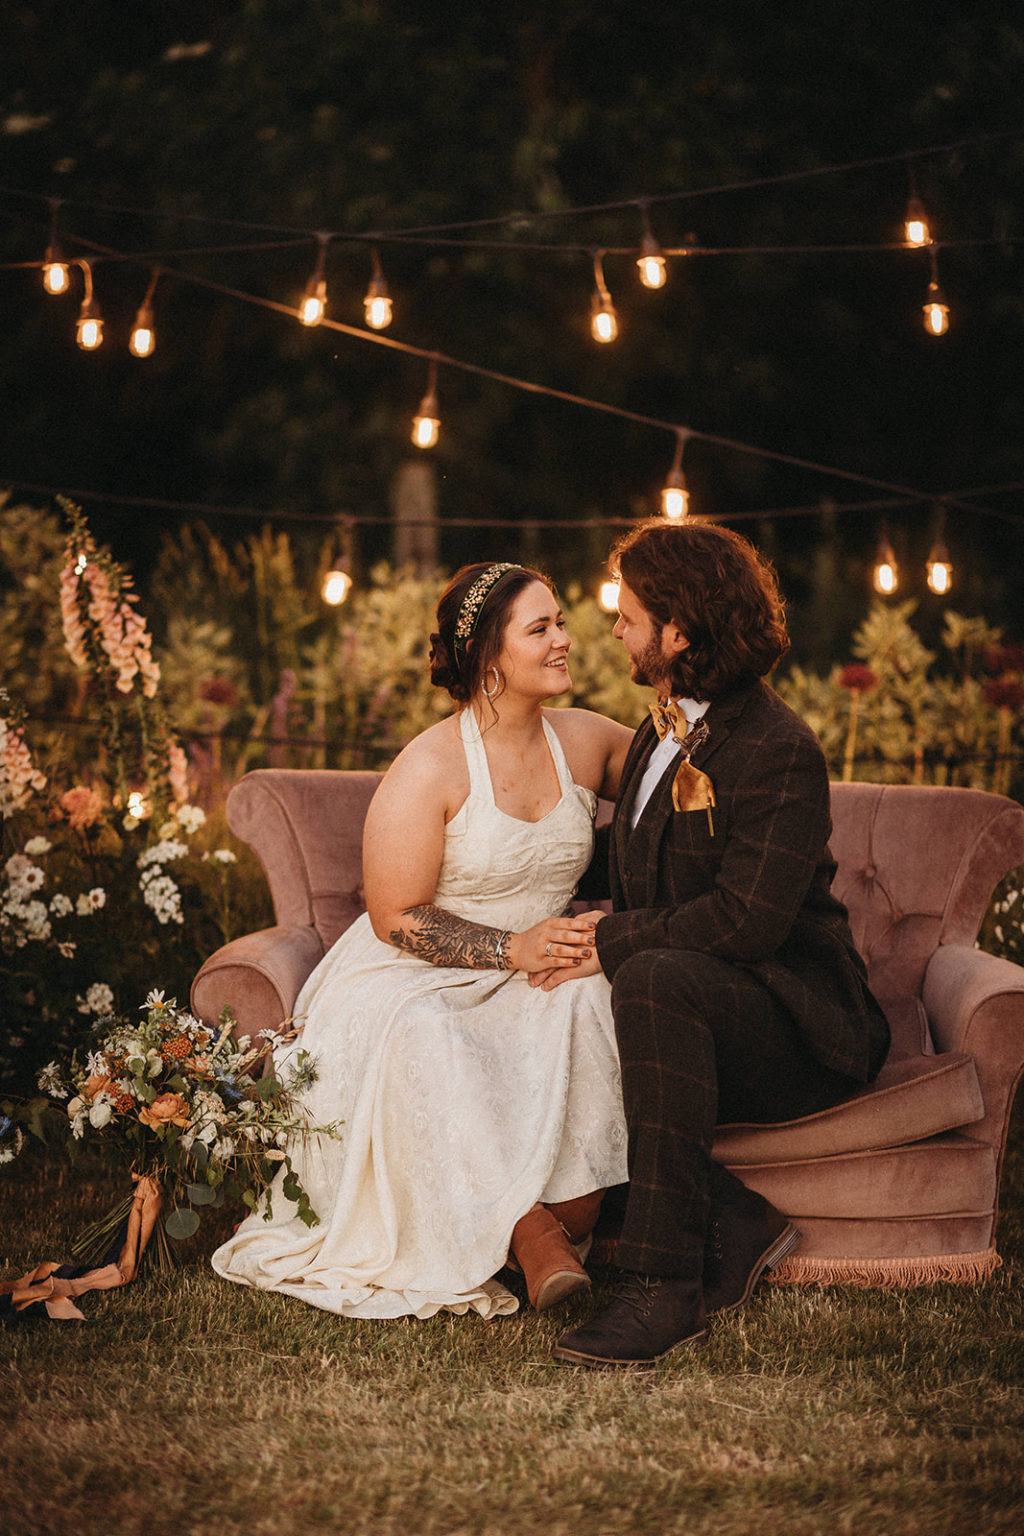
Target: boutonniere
[[692, 790]]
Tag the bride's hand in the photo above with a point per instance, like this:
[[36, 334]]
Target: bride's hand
[[556, 943]]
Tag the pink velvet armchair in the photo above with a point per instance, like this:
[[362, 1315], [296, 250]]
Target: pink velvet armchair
[[898, 1184]]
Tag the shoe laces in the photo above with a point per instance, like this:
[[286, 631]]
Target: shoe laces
[[639, 1292]]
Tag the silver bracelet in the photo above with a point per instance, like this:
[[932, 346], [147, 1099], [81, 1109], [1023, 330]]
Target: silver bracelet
[[501, 960]]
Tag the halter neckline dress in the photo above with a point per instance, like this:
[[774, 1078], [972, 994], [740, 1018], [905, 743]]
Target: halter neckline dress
[[465, 1095]]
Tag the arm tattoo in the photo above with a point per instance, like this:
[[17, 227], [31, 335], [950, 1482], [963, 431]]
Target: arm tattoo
[[444, 939]]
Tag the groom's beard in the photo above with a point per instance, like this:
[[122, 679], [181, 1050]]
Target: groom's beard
[[649, 668]]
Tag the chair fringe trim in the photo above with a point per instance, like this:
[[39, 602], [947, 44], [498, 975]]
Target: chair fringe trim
[[892, 1274]]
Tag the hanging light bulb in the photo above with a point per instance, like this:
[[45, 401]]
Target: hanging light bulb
[[651, 262], [56, 278], [337, 584], [675, 497], [143, 337], [314, 300], [886, 573], [940, 572], [608, 594], [426, 424], [55, 272], [377, 304], [935, 309], [915, 227], [604, 322], [90, 321]]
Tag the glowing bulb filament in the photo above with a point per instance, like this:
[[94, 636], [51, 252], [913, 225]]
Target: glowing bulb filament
[[90, 333], [916, 227], [55, 277], [604, 322], [675, 501], [652, 271], [378, 311], [426, 424], [336, 586], [936, 312], [426, 430], [608, 596], [886, 576], [377, 304], [314, 302]]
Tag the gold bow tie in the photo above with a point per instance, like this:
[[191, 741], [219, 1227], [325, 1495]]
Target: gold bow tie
[[691, 789]]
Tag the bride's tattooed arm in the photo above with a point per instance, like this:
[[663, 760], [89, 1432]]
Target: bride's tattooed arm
[[433, 934]]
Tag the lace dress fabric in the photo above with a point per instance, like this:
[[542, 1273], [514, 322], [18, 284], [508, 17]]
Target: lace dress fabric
[[466, 1095]]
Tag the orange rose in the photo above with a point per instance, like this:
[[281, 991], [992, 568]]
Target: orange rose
[[166, 1109], [98, 1083]]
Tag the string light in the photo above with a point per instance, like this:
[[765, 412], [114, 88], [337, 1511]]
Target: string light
[[90, 321], [675, 497], [916, 229], [604, 322], [143, 338], [314, 300], [377, 304], [337, 584], [651, 262], [886, 572], [935, 308], [426, 424], [608, 594], [940, 572], [56, 278]]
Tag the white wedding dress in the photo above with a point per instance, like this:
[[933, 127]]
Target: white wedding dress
[[466, 1095]]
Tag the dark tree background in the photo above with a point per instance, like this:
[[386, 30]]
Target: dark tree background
[[185, 126]]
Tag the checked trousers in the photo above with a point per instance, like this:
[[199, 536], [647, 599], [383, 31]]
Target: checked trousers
[[701, 1042]]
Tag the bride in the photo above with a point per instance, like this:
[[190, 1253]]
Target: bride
[[482, 1116]]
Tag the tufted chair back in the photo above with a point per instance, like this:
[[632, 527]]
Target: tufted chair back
[[917, 866], [306, 827]]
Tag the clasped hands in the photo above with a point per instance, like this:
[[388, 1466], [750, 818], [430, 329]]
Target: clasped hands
[[557, 949]]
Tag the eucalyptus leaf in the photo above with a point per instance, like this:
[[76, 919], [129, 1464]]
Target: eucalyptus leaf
[[181, 1223]]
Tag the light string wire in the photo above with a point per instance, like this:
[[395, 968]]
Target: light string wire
[[907, 494], [381, 236]]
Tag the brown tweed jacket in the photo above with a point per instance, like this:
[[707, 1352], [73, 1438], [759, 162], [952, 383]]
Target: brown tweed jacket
[[755, 889]]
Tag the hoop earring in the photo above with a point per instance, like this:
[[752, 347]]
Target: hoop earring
[[489, 693]]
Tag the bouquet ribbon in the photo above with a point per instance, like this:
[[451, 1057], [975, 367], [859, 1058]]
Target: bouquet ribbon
[[51, 1289]]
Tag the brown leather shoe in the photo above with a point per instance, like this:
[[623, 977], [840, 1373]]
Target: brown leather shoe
[[651, 1315], [548, 1260], [746, 1237]]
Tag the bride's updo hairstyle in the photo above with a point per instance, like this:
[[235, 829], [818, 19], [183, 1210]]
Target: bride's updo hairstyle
[[472, 616]]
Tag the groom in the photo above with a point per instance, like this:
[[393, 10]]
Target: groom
[[737, 992]]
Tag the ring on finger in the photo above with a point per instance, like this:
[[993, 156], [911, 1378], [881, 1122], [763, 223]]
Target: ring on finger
[[547, 949]]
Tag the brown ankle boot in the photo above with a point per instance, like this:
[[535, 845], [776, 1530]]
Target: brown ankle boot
[[579, 1218], [547, 1259]]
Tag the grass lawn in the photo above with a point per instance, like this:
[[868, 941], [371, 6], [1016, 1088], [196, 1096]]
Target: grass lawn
[[191, 1406]]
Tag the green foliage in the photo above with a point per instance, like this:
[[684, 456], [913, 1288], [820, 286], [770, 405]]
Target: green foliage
[[926, 717]]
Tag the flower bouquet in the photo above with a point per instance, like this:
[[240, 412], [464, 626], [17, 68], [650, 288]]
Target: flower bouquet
[[198, 1119]]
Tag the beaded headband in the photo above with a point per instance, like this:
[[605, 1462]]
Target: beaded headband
[[473, 603]]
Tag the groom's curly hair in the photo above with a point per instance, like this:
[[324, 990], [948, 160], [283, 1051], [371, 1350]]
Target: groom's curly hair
[[718, 590]]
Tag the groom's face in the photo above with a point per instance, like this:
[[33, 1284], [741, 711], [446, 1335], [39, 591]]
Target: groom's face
[[650, 646]]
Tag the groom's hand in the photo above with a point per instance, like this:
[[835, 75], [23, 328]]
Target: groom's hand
[[548, 979]]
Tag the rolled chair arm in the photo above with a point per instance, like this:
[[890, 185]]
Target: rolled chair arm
[[975, 1004], [258, 977]]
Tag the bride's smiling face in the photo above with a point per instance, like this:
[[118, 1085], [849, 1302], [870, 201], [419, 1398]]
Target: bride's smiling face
[[535, 647]]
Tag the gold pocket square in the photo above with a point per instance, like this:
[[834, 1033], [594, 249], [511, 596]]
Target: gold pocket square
[[693, 791]]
